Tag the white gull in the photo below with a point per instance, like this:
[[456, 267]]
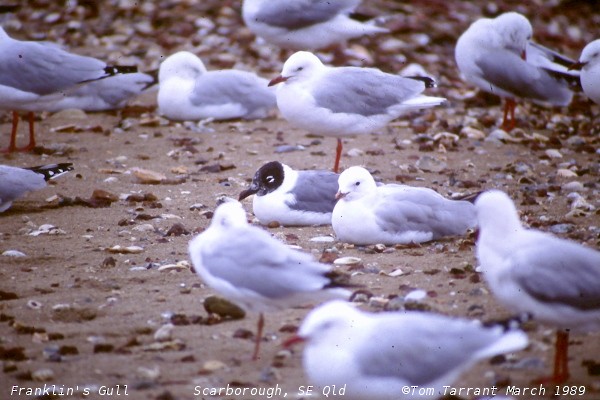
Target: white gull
[[305, 24], [395, 214], [497, 56], [345, 101], [393, 355], [187, 91], [555, 280], [248, 266]]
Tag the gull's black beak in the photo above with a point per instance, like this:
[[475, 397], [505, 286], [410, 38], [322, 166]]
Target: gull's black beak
[[253, 189]]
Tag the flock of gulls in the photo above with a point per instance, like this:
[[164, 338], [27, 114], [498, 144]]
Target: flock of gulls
[[554, 280]]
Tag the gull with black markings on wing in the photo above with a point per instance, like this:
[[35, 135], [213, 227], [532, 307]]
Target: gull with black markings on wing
[[498, 56], [345, 101], [250, 267], [379, 356], [33, 75], [290, 197], [15, 181], [305, 24], [555, 280], [589, 64]]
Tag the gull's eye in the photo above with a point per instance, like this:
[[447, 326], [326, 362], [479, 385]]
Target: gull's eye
[[270, 179], [357, 184], [299, 68]]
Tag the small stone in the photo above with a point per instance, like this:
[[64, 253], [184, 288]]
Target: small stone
[[565, 173], [347, 261], [428, 163], [472, 133], [43, 375], [164, 333], [147, 176], [211, 366], [354, 152], [322, 239], [223, 308], [573, 186], [553, 153], [415, 295], [13, 253]]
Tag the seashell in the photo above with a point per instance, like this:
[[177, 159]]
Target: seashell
[[13, 253], [322, 239], [347, 261]]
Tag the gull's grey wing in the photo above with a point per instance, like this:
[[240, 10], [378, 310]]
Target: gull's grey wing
[[104, 94], [509, 72], [422, 348], [554, 57], [229, 86], [299, 14], [249, 258], [315, 191], [424, 210], [44, 69], [15, 182], [552, 270], [364, 91]]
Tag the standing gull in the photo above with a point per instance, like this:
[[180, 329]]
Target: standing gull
[[589, 63], [250, 267], [379, 356], [292, 197], [187, 91], [15, 182], [555, 280], [305, 24], [498, 57], [345, 101], [395, 214], [33, 75]]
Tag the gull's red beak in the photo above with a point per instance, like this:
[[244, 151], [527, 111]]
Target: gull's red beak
[[524, 55], [577, 66], [340, 195], [292, 341], [277, 80]]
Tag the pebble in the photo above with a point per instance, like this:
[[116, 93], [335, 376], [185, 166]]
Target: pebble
[[553, 153], [322, 239], [179, 266], [125, 250], [429, 163], [212, 366], [42, 375], [472, 133], [13, 253], [347, 261], [354, 152], [573, 186], [164, 333], [565, 173], [415, 295], [147, 176], [223, 307]]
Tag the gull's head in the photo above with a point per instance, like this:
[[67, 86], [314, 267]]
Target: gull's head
[[515, 31], [327, 321], [590, 56], [497, 214], [183, 65], [267, 179], [301, 65], [354, 183], [230, 214]]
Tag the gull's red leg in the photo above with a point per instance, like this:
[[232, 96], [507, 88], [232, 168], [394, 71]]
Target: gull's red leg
[[259, 333], [560, 373], [508, 121], [338, 155], [13, 134], [31, 144]]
